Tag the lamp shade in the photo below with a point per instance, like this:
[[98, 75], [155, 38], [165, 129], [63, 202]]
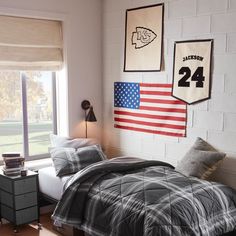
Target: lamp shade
[[91, 116]]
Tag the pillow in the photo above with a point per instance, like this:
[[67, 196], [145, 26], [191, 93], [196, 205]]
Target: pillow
[[63, 159], [59, 141], [200, 161], [69, 160]]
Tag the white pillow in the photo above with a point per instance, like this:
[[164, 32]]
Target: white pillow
[[60, 141]]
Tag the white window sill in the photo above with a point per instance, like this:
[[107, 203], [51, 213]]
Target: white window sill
[[37, 164]]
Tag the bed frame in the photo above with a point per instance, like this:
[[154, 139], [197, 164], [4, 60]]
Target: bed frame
[[66, 230]]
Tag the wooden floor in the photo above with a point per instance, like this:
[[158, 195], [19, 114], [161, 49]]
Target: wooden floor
[[31, 229]]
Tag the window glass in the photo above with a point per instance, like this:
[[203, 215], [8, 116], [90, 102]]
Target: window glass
[[26, 112], [40, 111], [11, 130]]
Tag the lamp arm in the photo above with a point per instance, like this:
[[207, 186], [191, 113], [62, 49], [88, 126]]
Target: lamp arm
[[86, 125]]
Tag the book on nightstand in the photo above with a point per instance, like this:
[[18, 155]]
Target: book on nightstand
[[13, 163]]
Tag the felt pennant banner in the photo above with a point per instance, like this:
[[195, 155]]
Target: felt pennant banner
[[192, 70]]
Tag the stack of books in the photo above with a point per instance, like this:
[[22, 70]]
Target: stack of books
[[13, 163]]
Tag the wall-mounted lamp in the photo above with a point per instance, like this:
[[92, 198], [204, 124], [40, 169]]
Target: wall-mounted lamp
[[89, 116]]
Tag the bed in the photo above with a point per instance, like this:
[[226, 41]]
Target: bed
[[131, 196], [137, 197]]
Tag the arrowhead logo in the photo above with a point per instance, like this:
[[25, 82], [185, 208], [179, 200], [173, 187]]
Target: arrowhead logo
[[142, 37]]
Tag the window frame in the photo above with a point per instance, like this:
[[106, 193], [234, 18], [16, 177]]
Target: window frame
[[25, 124]]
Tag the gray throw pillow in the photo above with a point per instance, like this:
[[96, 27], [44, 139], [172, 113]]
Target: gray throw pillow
[[200, 161], [69, 160]]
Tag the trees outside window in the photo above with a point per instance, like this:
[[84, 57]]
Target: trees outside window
[[27, 112]]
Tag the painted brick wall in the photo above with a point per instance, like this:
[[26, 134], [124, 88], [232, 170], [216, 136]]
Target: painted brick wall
[[213, 120]]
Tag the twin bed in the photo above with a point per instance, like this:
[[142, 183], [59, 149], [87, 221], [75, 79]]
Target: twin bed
[[136, 197]]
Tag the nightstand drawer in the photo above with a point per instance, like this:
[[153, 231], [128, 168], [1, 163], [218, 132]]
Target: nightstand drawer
[[20, 186], [22, 216], [21, 201], [25, 185]]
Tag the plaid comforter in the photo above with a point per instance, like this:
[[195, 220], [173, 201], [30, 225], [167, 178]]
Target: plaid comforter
[[133, 197]]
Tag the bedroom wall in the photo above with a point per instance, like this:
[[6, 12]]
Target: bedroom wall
[[82, 53], [214, 120]]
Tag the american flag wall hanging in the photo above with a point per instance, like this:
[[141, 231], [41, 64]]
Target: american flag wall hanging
[[150, 108]]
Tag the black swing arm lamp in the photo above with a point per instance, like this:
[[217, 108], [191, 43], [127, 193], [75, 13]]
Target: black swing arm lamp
[[89, 114]]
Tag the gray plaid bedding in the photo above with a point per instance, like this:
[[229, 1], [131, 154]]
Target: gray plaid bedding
[[133, 197]]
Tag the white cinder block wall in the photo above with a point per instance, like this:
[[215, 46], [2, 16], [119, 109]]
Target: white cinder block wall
[[214, 120]]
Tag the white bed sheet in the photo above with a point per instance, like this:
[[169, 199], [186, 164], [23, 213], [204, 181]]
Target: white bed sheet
[[50, 184]]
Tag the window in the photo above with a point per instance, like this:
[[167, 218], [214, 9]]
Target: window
[[27, 111], [31, 50]]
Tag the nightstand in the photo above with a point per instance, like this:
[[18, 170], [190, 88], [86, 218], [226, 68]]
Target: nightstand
[[19, 198]]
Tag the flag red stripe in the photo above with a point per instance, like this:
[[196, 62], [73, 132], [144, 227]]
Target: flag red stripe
[[163, 93], [162, 109], [149, 131], [163, 101], [152, 124], [156, 85], [150, 116]]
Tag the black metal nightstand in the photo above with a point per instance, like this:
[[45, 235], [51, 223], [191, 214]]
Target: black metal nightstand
[[19, 198]]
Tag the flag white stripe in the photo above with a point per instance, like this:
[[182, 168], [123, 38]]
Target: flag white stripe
[[158, 113], [166, 121], [155, 89], [170, 106], [151, 128], [169, 98]]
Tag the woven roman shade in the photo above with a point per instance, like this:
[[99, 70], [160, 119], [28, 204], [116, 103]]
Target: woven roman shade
[[30, 44]]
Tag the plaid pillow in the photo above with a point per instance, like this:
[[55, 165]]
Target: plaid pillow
[[69, 160]]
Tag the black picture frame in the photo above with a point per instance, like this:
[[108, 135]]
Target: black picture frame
[[155, 39]]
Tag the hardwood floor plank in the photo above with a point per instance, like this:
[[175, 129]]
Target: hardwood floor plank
[[31, 229]]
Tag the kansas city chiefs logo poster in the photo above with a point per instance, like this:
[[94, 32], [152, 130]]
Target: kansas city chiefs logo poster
[[143, 38]]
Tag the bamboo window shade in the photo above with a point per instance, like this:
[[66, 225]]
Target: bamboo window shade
[[30, 44]]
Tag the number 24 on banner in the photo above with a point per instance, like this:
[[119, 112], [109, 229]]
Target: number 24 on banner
[[192, 70]]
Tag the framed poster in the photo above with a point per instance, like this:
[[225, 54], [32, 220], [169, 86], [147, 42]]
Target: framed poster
[[143, 38], [192, 70]]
